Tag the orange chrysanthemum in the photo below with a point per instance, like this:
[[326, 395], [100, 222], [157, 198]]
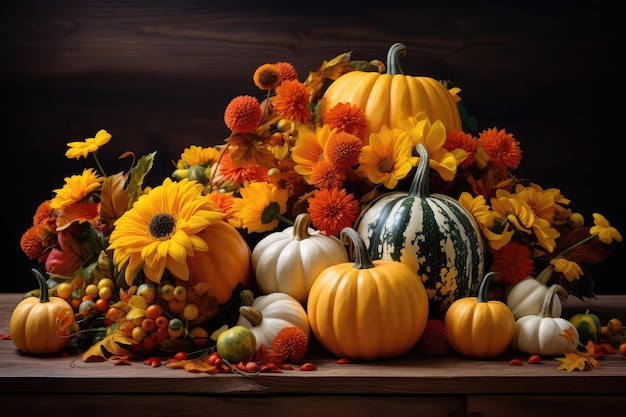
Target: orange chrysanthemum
[[513, 262], [347, 118], [292, 101], [457, 139], [43, 213], [287, 71], [291, 343], [37, 241], [344, 149], [229, 171], [332, 210], [503, 150], [327, 175], [243, 114], [267, 77]]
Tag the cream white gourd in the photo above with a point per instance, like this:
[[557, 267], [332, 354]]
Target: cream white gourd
[[526, 297], [269, 314], [539, 334], [289, 261]]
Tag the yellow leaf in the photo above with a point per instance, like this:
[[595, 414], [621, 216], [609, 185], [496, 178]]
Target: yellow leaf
[[571, 361], [114, 344]]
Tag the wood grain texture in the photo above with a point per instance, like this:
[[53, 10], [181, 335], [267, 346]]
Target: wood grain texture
[[158, 76]]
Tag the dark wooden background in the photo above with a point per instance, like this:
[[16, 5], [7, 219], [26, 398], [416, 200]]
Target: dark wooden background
[[158, 76]]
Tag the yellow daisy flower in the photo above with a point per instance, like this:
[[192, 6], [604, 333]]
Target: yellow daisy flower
[[261, 206], [76, 188], [433, 137], [309, 149], [388, 157], [570, 270], [197, 155], [606, 233], [89, 145], [160, 230]]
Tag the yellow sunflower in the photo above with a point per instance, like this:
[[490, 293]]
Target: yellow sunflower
[[309, 149], [160, 230]]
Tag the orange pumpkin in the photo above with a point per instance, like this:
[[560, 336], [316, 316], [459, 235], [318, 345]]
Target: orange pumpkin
[[392, 97], [33, 325], [225, 265], [367, 309]]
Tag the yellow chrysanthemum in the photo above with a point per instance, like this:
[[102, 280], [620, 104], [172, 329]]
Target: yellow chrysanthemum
[[309, 149], [606, 233], [516, 212], [542, 203], [89, 145], [478, 207], [76, 188], [388, 157], [570, 270], [260, 207], [160, 230], [197, 155], [433, 137]]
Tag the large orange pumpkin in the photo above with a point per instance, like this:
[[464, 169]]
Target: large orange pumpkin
[[225, 265], [367, 309], [391, 97]]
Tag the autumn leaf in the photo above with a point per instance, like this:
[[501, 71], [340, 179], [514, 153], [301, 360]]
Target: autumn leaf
[[576, 359], [114, 199], [112, 345], [66, 322], [572, 361], [590, 252]]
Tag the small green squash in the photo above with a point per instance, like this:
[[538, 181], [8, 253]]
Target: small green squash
[[588, 326], [433, 234], [236, 344]]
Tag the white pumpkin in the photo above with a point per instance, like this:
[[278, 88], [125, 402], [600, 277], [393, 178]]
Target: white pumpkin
[[526, 297], [269, 314], [289, 261], [540, 334]]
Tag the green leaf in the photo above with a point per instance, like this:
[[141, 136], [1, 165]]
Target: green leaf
[[137, 174]]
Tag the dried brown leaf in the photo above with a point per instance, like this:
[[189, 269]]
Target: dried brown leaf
[[114, 199]]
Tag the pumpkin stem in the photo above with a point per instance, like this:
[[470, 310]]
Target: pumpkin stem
[[546, 307], [362, 259], [484, 285], [301, 226], [419, 185], [397, 51], [44, 297], [254, 316], [544, 275]]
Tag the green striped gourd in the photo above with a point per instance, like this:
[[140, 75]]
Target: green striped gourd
[[433, 234]]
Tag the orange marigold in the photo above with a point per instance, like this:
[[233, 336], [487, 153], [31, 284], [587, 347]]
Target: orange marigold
[[327, 175], [292, 101], [457, 139], [347, 118], [291, 343], [503, 150], [344, 149], [332, 210], [228, 170], [243, 114], [43, 213], [267, 77], [287, 71]]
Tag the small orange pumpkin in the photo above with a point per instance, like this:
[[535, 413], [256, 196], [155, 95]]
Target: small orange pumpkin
[[33, 325], [480, 328]]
